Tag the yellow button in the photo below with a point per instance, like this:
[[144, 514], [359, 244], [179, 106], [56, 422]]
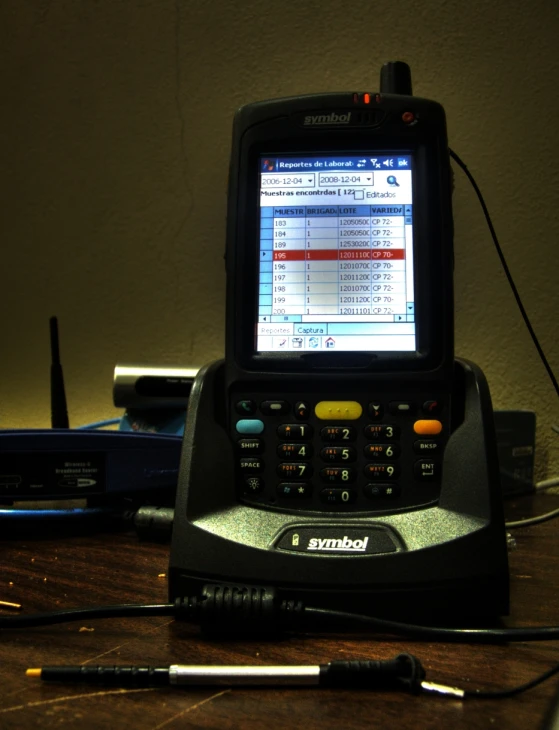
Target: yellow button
[[338, 410], [428, 428]]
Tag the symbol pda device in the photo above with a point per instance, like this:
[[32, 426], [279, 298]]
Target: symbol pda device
[[340, 452]]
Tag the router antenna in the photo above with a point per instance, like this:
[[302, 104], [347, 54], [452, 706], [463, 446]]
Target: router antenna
[[58, 408]]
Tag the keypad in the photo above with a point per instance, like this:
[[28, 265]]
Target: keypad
[[251, 465], [382, 451], [377, 432], [296, 490], [294, 451], [305, 451], [338, 475], [272, 407], [338, 433], [253, 485], [381, 491], [382, 471], [338, 496], [338, 454], [294, 431], [250, 446], [294, 470]]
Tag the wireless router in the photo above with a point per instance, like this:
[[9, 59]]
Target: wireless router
[[64, 463]]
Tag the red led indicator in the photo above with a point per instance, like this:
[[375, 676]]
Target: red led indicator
[[355, 98], [408, 117], [366, 98]]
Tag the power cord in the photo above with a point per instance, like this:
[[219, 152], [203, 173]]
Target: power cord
[[506, 270], [259, 610], [547, 484], [538, 519], [555, 513]]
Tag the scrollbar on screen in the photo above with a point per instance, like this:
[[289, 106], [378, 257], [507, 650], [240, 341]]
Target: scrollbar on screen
[[336, 254]]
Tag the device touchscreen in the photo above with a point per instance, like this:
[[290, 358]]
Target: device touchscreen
[[336, 253]]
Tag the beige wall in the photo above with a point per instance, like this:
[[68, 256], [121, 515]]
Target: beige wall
[[115, 127]]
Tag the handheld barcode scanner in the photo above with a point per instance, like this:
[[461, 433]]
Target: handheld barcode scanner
[[340, 452]]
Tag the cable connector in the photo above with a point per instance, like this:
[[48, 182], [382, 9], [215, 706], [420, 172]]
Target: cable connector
[[403, 672], [231, 609], [154, 523], [442, 689]]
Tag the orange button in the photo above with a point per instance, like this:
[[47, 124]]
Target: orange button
[[428, 428]]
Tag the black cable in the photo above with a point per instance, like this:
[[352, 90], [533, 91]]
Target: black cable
[[506, 270], [436, 633], [85, 614], [259, 610], [502, 693]]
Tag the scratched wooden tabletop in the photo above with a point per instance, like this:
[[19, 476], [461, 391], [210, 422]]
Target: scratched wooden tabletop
[[65, 570]]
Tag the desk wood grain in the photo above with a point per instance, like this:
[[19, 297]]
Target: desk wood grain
[[62, 571]]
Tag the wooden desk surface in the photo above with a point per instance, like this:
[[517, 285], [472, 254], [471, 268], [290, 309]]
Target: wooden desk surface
[[109, 568]]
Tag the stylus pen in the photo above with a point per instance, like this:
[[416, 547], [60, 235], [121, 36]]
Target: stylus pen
[[403, 672]]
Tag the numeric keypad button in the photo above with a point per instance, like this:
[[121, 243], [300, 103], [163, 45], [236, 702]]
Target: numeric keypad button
[[381, 471], [338, 496], [381, 491], [294, 451], [294, 490], [338, 475], [382, 451], [381, 432], [338, 454], [338, 433], [295, 431], [294, 470]]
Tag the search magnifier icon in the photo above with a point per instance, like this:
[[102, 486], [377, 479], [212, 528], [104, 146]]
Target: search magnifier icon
[[391, 180]]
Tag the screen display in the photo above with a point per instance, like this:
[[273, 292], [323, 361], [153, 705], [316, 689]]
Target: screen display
[[336, 253]]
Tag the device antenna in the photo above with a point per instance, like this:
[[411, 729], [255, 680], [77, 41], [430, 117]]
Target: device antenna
[[58, 408], [395, 78]]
